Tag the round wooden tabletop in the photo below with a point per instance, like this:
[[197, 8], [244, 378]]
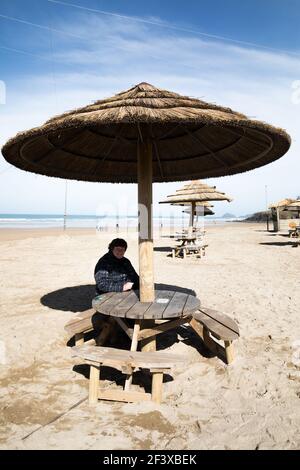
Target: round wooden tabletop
[[167, 304]]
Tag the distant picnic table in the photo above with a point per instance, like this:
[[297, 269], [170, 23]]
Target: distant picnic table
[[189, 244]]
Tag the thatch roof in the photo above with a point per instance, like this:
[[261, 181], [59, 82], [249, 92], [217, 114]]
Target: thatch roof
[[191, 139], [198, 203], [282, 203], [293, 206], [196, 191]]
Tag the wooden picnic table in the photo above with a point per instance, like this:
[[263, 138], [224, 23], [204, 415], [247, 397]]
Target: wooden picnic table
[[189, 244], [169, 309]]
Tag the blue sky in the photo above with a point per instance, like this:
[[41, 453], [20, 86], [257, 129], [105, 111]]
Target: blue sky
[[55, 57]]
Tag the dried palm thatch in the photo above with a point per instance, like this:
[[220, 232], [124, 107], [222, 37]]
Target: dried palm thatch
[[293, 206], [191, 139], [196, 192], [282, 203], [197, 204]]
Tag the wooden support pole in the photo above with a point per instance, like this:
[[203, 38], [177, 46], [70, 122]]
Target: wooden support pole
[[148, 344], [79, 339], [157, 383], [229, 351], [191, 222], [145, 220], [278, 218], [94, 384], [133, 347]]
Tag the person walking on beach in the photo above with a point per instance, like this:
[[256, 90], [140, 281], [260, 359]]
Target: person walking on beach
[[114, 272]]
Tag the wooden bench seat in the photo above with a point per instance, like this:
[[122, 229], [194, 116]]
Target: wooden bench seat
[[210, 324], [128, 362], [87, 321]]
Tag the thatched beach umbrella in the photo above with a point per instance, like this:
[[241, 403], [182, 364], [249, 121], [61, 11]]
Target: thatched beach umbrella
[[276, 209], [293, 206], [143, 135], [194, 193]]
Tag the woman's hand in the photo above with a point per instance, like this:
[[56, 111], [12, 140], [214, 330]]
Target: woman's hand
[[127, 286]]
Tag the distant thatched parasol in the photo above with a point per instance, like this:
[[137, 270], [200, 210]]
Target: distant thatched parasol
[[293, 206], [193, 194], [196, 191], [281, 204], [143, 135]]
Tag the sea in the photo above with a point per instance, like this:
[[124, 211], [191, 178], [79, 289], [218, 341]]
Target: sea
[[96, 221]]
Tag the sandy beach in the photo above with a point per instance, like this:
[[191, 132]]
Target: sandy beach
[[247, 273]]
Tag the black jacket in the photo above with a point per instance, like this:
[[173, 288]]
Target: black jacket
[[112, 273]]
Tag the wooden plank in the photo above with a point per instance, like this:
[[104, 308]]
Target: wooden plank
[[194, 247], [128, 302], [157, 383], [148, 344], [93, 384], [218, 323], [176, 305], [214, 347], [107, 308], [107, 356], [122, 395], [85, 324], [101, 298], [158, 307], [218, 330], [80, 316], [133, 347], [221, 318], [192, 304], [229, 351], [168, 325], [79, 339], [138, 310], [122, 324], [197, 327]]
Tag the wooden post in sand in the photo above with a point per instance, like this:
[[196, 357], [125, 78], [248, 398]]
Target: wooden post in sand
[[278, 219], [145, 220], [191, 224]]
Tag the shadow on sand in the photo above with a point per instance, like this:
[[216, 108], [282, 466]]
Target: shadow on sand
[[70, 299], [79, 298], [292, 244]]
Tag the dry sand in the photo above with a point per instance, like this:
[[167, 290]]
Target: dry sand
[[252, 275]]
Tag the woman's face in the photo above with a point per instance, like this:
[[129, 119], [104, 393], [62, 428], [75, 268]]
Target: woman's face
[[119, 251]]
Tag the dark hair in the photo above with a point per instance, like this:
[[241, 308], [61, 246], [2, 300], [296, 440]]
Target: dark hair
[[117, 242]]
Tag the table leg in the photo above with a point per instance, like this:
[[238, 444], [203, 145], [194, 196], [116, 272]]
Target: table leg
[[148, 344], [134, 343]]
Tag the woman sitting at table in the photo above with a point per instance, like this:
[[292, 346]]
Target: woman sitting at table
[[114, 272]]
